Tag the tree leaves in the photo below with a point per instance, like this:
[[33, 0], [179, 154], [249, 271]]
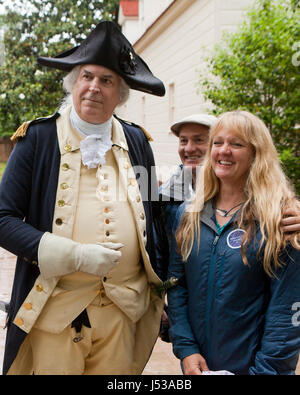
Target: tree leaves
[[41, 28]]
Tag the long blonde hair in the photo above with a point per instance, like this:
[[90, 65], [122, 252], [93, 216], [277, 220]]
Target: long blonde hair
[[267, 192]]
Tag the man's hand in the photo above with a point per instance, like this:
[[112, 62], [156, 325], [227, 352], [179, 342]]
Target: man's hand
[[96, 259], [290, 221], [194, 364], [164, 328], [59, 256]]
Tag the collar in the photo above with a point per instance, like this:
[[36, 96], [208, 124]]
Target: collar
[[208, 215], [69, 138], [87, 129], [118, 136]]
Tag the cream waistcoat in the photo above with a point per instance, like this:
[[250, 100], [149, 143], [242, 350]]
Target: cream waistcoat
[[99, 217], [127, 285]]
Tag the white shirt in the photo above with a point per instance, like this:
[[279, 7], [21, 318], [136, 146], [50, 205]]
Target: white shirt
[[97, 142]]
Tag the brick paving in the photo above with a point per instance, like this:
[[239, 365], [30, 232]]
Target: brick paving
[[162, 361]]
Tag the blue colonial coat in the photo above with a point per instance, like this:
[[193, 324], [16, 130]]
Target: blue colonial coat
[[27, 202]]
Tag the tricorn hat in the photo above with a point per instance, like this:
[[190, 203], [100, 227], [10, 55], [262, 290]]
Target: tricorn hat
[[107, 46], [200, 119]]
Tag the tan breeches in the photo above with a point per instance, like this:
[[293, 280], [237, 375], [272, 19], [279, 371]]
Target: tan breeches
[[106, 348]]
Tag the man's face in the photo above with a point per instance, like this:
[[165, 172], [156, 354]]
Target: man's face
[[96, 93], [193, 140]]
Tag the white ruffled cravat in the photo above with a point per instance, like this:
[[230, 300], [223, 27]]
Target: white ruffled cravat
[[97, 142]]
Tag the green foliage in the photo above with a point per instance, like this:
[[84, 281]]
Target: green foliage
[[41, 28], [291, 165], [257, 69], [2, 168]]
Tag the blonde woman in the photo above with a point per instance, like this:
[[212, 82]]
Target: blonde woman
[[235, 307]]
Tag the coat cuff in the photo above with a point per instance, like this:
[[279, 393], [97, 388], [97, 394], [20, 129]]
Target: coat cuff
[[55, 255]]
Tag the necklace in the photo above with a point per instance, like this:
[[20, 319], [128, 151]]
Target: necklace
[[225, 213]]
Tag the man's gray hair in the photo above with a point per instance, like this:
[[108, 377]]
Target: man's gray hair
[[70, 80]]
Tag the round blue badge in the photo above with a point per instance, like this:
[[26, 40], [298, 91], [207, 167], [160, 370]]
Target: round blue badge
[[234, 239]]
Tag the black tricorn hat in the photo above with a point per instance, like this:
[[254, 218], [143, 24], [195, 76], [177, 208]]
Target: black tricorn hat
[[107, 46]]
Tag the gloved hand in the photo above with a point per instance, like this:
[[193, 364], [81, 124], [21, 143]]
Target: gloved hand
[[58, 256]]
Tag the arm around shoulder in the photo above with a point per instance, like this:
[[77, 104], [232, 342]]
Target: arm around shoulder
[[280, 343]]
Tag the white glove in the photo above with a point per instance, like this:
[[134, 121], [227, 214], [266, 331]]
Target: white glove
[[58, 256]]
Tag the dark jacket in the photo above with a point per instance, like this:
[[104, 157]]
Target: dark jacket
[[27, 201], [172, 194], [236, 316]]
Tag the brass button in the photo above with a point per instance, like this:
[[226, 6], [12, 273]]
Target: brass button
[[65, 166], [28, 306], [107, 233], [106, 210], [64, 185], [59, 221], [61, 203], [68, 148], [39, 287], [34, 262], [19, 321], [107, 221], [142, 216]]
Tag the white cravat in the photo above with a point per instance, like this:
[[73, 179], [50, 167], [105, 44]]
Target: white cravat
[[97, 142]]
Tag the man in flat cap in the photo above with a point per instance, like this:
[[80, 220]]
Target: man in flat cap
[[193, 134], [75, 207]]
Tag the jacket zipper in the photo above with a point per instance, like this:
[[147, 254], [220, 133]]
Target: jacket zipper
[[209, 294]]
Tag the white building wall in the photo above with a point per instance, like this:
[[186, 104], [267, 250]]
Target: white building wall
[[174, 57], [150, 9], [129, 29]]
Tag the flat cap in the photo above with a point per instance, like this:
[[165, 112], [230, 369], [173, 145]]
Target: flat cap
[[201, 119]]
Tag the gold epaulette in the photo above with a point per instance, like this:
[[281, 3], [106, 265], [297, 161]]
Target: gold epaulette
[[21, 131], [147, 134]]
